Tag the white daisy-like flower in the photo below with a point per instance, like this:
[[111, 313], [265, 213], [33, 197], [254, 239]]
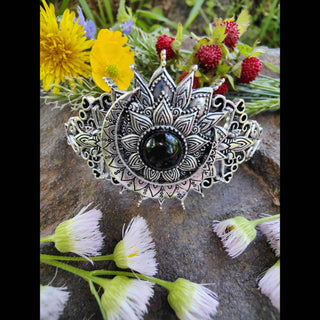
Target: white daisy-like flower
[[52, 302], [80, 234], [269, 284], [235, 233], [126, 298], [192, 301], [136, 250], [271, 229]]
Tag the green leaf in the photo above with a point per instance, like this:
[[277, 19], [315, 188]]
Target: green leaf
[[175, 45], [193, 13], [257, 52], [102, 20], [218, 35], [271, 66], [223, 68], [236, 69], [243, 21], [225, 51], [122, 14], [244, 49], [157, 16], [86, 10], [230, 78], [179, 34], [109, 10], [201, 41], [63, 7]]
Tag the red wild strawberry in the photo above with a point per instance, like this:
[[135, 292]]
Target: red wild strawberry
[[250, 69], [232, 31], [209, 56], [233, 34], [223, 89], [164, 42]]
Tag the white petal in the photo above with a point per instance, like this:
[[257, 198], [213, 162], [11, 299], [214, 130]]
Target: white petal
[[269, 284], [52, 302], [139, 247], [271, 229]]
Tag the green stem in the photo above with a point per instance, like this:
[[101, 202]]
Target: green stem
[[261, 220], [81, 273], [166, 284], [47, 239], [96, 295], [99, 258], [92, 276]]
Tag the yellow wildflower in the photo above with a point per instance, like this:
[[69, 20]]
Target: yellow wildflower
[[110, 58], [63, 48]]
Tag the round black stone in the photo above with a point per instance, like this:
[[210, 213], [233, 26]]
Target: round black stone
[[162, 150]]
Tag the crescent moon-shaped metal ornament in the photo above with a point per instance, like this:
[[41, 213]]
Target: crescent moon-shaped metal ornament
[[163, 140]]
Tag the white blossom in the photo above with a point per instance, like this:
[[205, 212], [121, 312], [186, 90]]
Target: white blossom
[[192, 301], [269, 284], [136, 250], [271, 229], [80, 234], [235, 233], [52, 302], [126, 298]]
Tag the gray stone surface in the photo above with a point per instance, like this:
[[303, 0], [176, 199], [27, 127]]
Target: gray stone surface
[[186, 246]]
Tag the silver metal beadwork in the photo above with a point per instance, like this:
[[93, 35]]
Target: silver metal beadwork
[[206, 135]]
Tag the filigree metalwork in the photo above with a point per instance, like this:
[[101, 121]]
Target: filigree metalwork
[[163, 140]]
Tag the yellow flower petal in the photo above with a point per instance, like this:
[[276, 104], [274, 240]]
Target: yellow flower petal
[[110, 58], [63, 48]]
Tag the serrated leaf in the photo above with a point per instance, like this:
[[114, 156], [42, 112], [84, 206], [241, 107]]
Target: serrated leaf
[[218, 35], [229, 19], [230, 79], [243, 21], [257, 52], [225, 51], [236, 69], [223, 68], [201, 41], [244, 49]]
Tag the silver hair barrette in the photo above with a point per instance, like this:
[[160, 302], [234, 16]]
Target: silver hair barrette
[[163, 140]]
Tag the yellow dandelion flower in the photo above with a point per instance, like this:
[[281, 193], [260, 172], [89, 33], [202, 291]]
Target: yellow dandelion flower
[[110, 58], [63, 48]]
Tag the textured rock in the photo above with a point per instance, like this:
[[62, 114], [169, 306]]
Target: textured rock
[[186, 246]]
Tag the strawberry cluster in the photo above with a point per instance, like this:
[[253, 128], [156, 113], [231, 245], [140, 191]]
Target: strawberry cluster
[[219, 55]]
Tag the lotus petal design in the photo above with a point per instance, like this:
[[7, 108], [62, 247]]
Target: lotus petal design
[[163, 140]]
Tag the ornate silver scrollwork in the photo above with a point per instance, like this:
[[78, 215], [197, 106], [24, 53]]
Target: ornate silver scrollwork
[[161, 139]]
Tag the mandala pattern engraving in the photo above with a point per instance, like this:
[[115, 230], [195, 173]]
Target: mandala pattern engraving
[[163, 140]]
